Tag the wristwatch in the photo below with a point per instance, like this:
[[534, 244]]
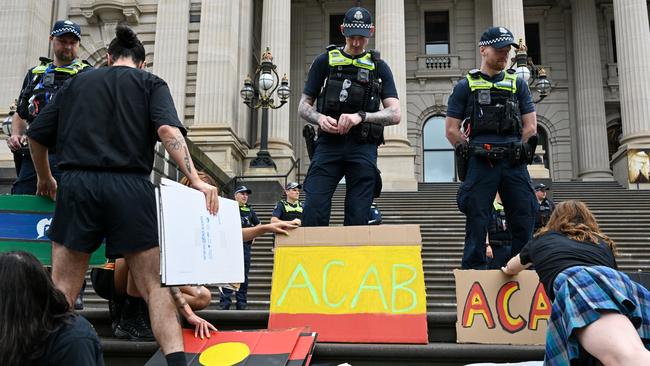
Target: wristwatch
[[362, 114]]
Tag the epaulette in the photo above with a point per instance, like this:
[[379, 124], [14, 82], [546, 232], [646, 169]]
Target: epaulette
[[511, 71], [331, 47], [45, 60], [375, 55], [475, 73], [85, 62]]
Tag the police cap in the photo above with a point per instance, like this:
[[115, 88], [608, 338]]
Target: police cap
[[62, 27], [292, 185], [357, 22], [541, 187], [498, 37], [242, 189]]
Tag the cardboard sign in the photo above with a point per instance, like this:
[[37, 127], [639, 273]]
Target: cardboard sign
[[351, 284], [197, 247], [498, 309], [286, 347], [24, 221]]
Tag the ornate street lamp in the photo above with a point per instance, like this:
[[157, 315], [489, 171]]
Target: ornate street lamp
[[6, 123], [532, 74], [258, 93]]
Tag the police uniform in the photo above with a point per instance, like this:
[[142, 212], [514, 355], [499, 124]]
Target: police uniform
[[39, 87], [546, 207], [346, 84], [494, 158], [499, 236], [286, 211], [248, 219]]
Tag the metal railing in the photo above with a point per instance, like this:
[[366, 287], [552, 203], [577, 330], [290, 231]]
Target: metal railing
[[230, 186]]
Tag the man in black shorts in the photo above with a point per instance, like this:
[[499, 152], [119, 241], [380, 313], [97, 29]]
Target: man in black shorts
[[106, 152]]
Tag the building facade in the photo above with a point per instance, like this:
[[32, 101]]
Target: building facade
[[595, 52]]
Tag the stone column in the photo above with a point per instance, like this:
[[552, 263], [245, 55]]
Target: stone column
[[22, 22], [396, 158], [276, 35], [170, 48], [632, 40], [593, 158], [217, 86], [482, 21], [509, 14]]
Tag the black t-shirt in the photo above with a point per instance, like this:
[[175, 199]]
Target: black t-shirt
[[74, 344], [107, 119], [553, 252], [320, 70]]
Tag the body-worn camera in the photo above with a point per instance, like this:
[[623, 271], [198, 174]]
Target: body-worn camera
[[484, 97]]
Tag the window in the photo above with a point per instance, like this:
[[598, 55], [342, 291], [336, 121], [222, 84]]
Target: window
[[335, 30], [436, 32], [439, 163], [533, 42]]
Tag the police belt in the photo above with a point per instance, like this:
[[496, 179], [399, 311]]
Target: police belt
[[491, 151], [500, 243]]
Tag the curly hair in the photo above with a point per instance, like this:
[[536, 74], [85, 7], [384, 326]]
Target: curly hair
[[31, 308], [574, 219]]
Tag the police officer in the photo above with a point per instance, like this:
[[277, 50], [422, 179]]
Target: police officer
[[495, 146], [248, 219], [546, 206], [499, 239], [342, 95], [39, 87], [289, 209]]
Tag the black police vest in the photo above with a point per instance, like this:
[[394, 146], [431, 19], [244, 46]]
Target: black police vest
[[352, 84], [46, 81], [495, 107], [246, 215]]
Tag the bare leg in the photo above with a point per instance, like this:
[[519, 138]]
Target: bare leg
[[145, 268], [68, 270], [613, 340], [120, 276], [198, 297], [131, 288]]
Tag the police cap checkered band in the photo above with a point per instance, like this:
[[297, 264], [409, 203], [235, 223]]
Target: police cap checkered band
[[62, 27], [357, 22], [497, 37]]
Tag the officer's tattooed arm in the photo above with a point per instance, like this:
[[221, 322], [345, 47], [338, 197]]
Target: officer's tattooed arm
[[390, 115], [174, 143], [529, 122], [452, 131], [308, 112], [307, 109]]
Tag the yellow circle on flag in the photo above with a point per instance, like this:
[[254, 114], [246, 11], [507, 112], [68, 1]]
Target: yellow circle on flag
[[224, 354]]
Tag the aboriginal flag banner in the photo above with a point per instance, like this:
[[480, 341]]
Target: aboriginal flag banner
[[286, 347]]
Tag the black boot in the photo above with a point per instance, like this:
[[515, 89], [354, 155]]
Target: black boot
[[134, 324]]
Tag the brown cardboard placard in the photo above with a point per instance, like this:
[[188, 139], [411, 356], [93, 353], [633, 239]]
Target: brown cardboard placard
[[351, 236], [494, 308]]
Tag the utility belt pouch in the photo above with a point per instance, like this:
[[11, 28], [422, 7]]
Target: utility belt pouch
[[487, 121], [368, 133], [462, 158]]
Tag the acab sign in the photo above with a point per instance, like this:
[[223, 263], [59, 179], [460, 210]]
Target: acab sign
[[499, 309]]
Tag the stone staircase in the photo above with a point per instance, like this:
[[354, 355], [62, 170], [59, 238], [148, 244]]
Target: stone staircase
[[624, 215]]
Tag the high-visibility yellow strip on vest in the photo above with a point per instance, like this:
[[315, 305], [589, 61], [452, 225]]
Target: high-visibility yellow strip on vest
[[337, 58], [509, 83]]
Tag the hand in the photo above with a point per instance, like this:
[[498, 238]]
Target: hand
[[507, 271], [211, 195], [328, 124], [347, 121], [47, 187], [202, 327], [488, 252], [296, 222], [282, 227], [16, 142]]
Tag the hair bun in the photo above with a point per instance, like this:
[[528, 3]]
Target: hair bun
[[125, 36]]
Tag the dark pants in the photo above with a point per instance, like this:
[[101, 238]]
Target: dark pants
[[500, 256], [475, 198], [334, 158], [26, 181], [240, 295]]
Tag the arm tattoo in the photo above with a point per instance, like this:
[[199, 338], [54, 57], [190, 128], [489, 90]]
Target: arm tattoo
[[186, 160], [177, 295], [307, 110], [387, 116], [174, 143]]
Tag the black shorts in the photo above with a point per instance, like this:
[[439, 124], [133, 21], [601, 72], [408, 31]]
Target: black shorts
[[93, 205]]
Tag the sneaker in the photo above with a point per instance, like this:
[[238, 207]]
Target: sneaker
[[136, 328], [242, 306], [223, 307]]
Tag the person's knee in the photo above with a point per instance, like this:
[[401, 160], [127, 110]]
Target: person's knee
[[202, 300]]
